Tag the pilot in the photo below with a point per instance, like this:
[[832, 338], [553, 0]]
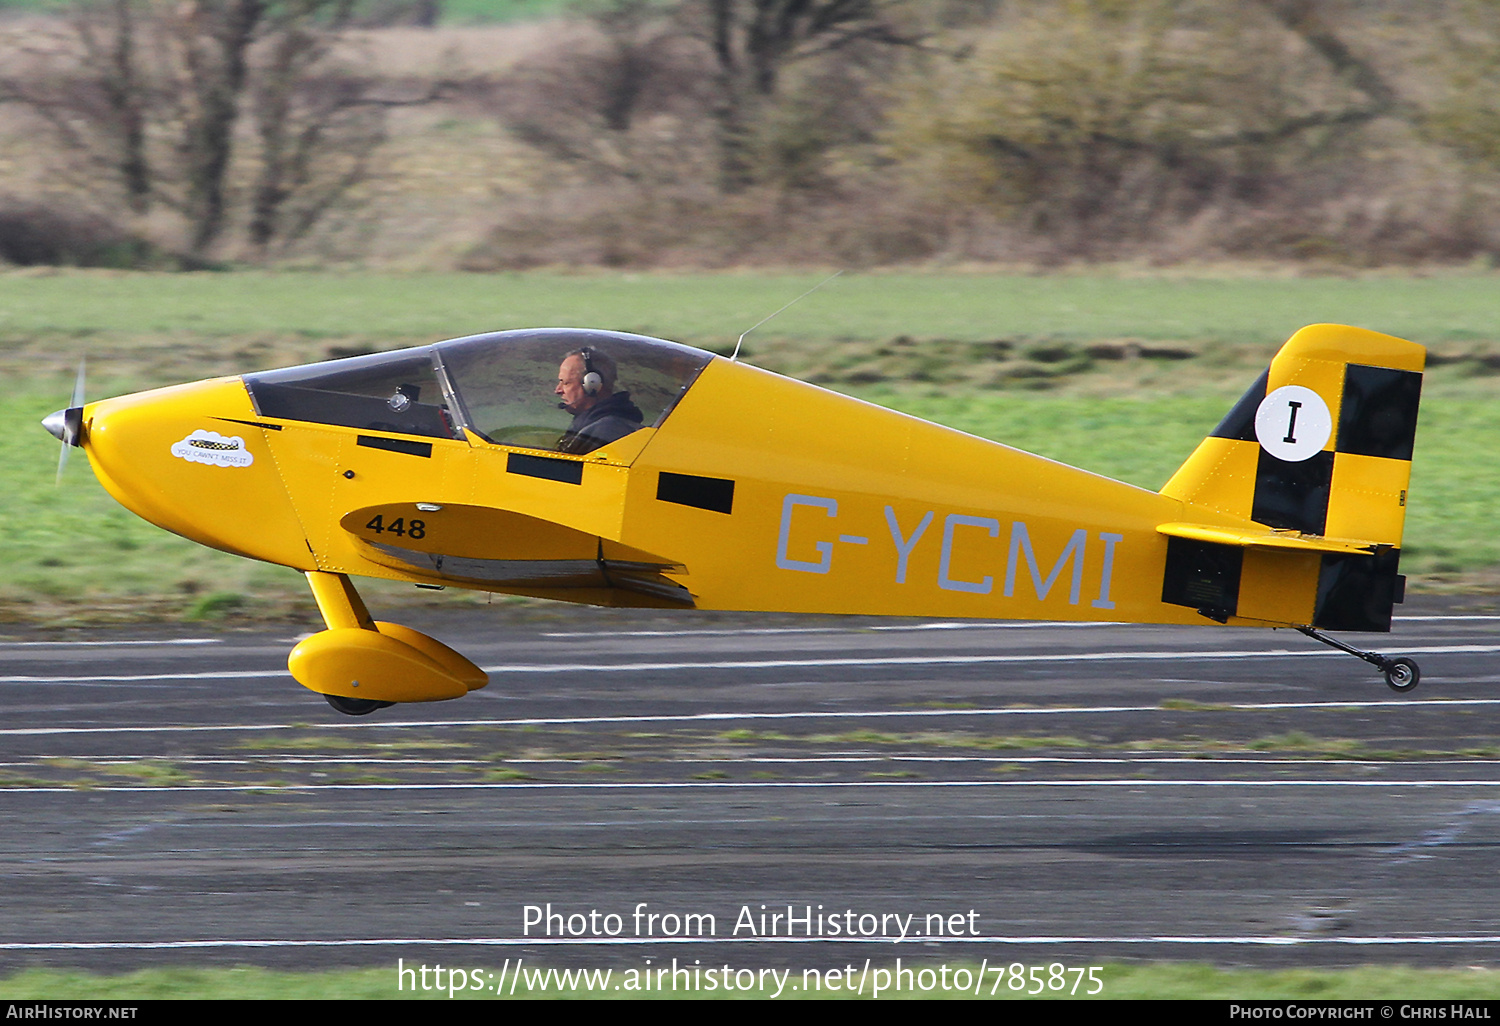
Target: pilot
[[586, 386]]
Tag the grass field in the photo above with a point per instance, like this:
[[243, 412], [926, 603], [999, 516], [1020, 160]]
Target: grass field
[[488, 11], [1168, 981], [1005, 356], [1453, 311]]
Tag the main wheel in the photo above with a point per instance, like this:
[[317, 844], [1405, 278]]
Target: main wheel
[[1402, 675], [365, 706]]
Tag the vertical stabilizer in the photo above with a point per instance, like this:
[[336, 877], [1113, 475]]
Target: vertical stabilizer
[[1320, 445]]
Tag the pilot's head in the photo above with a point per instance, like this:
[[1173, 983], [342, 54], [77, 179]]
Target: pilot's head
[[585, 378]]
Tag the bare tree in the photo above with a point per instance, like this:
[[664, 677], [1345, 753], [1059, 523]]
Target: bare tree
[[158, 92], [87, 82], [317, 129], [124, 94], [753, 41], [585, 99], [212, 40], [1306, 20]]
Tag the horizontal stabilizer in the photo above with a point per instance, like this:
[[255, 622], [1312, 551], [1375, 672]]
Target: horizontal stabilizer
[[1270, 538]]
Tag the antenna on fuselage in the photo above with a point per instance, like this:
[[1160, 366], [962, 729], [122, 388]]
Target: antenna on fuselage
[[825, 281]]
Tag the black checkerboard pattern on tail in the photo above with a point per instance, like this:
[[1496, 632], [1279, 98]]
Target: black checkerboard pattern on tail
[[1321, 445]]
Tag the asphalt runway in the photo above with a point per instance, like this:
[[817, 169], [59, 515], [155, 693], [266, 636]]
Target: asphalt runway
[[1004, 793]]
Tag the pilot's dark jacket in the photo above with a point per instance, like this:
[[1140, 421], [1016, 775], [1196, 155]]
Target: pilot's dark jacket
[[601, 424]]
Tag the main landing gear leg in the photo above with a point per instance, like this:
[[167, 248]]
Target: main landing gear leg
[[341, 606], [1401, 674], [360, 664]]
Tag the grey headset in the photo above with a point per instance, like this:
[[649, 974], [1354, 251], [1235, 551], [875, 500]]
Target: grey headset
[[592, 381]]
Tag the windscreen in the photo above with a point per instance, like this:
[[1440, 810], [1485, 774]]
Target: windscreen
[[397, 392]]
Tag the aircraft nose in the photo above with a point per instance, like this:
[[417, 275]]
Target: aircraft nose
[[64, 425], [194, 459]]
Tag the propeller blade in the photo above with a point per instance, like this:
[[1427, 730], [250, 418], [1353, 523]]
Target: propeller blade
[[66, 424], [78, 385]]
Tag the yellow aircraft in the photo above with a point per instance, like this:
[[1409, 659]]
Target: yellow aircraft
[[654, 474]]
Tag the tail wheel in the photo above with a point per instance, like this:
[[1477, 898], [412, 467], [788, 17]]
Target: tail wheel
[[1402, 675], [365, 706]]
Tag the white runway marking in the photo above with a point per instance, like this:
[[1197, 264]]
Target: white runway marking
[[784, 664], [940, 626], [135, 678], [109, 644], [281, 759], [1455, 616], [953, 625], [1388, 704], [957, 660], [756, 785], [1150, 760]]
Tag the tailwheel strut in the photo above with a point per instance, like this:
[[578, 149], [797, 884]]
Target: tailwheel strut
[[1401, 674]]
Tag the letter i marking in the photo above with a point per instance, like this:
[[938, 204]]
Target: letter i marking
[[1291, 425]]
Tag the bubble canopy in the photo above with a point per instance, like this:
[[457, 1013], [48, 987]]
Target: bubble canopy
[[499, 386]]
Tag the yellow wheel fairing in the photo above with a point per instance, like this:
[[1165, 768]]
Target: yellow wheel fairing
[[455, 665], [354, 663]]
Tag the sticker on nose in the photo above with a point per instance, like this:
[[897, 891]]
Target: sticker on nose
[[214, 449], [1293, 423]]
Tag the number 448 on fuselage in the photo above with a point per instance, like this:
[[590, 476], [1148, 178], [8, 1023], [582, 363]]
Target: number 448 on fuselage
[[653, 474]]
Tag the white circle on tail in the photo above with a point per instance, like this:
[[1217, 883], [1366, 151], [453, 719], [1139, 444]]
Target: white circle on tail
[[1293, 423]]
